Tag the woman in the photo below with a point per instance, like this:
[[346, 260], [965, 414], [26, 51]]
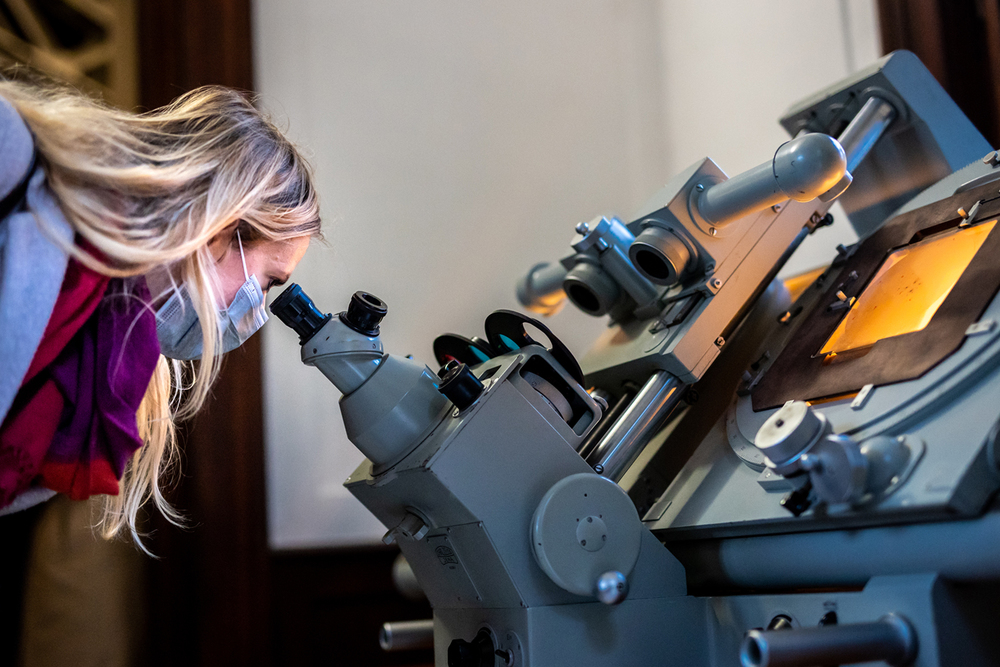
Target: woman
[[129, 243]]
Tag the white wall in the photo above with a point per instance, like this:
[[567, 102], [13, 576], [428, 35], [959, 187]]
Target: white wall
[[457, 143]]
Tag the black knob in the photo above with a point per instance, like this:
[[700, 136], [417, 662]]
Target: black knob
[[459, 384], [364, 313], [477, 653], [297, 311], [799, 500]]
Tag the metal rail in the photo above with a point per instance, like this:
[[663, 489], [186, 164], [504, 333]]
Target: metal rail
[[619, 448], [864, 130]]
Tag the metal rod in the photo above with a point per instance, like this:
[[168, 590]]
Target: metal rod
[[891, 639], [865, 129], [607, 421], [406, 635], [621, 445], [959, 550]]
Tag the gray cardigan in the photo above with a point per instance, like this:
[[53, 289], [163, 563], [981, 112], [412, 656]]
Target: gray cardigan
[[31, 267]]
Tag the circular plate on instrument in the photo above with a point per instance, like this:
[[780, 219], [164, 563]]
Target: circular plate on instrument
[[506, 333], [470, 352], [585, 526]]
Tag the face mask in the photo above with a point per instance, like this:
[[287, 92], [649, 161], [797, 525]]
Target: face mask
[[179, 330]]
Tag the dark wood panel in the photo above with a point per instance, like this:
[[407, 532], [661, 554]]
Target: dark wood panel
[[329, 606], [209, 590], [959, 42]]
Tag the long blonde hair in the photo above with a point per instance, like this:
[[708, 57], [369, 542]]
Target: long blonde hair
[[150, 191]]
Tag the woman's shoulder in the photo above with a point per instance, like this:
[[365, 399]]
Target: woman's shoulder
[[16, 148]]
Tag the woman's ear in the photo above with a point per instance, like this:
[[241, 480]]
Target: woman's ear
[[223, 241]]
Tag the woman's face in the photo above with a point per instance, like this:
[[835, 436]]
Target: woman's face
[[272, 262]]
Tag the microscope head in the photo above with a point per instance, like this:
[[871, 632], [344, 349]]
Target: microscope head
[[390, 403]]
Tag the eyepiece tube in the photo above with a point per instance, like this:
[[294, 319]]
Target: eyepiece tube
[[541, 290], [297, 311], [891, 639], [660, 256], [591, 289]]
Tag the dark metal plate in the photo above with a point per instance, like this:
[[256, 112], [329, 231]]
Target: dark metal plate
[[799, 373], [505, 332]]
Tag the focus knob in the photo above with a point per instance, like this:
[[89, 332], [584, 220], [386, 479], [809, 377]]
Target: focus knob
[[364, 313], [477, 653]]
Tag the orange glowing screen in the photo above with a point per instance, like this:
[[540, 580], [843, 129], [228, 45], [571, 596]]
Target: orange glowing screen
[[908, 288]]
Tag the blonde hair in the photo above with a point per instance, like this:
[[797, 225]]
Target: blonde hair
[[149, 191]]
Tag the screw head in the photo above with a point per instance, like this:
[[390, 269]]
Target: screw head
[[720, 341], [598, 468], [992, 158], [582, 228], [712, 231], [699, 187], [716, 283]]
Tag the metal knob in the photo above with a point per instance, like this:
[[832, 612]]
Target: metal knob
[[789, 431], [612, 587]]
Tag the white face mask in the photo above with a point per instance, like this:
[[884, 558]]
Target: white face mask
[[179, 330]]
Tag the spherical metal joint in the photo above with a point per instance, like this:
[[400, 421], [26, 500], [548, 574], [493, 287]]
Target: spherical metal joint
[[660, 256], [808, 166], [612, 588]]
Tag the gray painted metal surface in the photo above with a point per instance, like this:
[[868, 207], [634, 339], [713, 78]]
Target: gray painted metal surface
[[483, 501]]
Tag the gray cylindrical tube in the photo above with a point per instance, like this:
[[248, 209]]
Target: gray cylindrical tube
[[865, 129], [406, 635], [958, 550], [541, 290], [891, 639], [619, 448], [802, 169]]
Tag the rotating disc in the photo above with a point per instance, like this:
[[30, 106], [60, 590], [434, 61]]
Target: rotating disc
[[467, 351], [506, 333]]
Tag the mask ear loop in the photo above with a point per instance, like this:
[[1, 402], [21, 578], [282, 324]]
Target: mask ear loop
[[242, 257]]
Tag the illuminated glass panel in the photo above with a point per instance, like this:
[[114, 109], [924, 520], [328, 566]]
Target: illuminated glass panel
[[908, 288]]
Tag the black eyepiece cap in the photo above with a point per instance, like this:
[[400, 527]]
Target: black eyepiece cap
[[459, 385], [364, 313], [299, 313]]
